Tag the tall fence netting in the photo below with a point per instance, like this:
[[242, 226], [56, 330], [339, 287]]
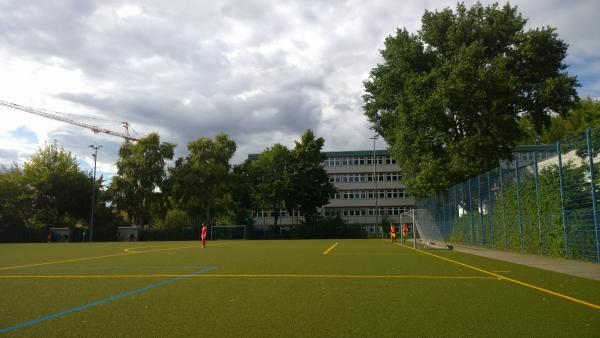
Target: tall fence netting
[[542, 203]]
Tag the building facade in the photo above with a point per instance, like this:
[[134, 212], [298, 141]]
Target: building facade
[[369, 190]]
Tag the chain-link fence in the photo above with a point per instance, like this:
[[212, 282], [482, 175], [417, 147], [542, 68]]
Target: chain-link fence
[[533, 204]]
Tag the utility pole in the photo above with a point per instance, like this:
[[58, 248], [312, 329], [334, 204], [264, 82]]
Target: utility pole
[[375, 179], [95, 156]]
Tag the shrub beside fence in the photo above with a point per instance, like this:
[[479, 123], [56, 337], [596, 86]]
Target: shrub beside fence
[[538, 206]]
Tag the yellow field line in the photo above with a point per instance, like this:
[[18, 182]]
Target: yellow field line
[[511, 280], [127, 252], [376, 254], [251, 276], [330, 248], [65, 261], [168, 249]]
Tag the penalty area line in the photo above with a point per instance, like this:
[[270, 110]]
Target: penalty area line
[[592, 305]]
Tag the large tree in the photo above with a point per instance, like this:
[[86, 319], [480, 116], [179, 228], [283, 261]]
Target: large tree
[[137, 187], [309, 186], [15, 205], [270, 184], [58, 190], [449, 98], [201, 183], [243, 203]]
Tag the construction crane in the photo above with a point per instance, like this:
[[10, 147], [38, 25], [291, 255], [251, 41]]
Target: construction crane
[[95, 129]]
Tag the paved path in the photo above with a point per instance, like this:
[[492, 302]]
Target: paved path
[[570, 267]]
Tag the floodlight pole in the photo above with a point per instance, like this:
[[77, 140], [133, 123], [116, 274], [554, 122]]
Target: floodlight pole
[[375, 137], [95, 156]]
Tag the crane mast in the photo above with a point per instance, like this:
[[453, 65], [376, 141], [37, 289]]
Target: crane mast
[[95, 129]]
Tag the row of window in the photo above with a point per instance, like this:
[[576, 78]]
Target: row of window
[[381, 211], [365, 177], [369, 194], [271, 213], [367, 160], [365, 211]]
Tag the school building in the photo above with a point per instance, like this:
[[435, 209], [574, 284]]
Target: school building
[[369, 190]]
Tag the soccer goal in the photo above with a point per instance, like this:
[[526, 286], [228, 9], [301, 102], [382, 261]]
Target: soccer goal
[[227, 232], [422, 225], [127, 234], [60, 235]]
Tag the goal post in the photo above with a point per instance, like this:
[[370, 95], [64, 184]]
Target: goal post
[[423, 224], [227, 232]]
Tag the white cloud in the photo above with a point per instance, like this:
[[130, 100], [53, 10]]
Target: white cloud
[[261, 71], [128, 11]]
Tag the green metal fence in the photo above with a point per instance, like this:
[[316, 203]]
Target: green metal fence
[[545, 206]]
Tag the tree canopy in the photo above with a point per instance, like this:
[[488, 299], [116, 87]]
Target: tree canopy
[[448, 99], [585, 115], [201, 183], [292, 180], [309, 186], [269, 179], [141, 174], [56, 187]]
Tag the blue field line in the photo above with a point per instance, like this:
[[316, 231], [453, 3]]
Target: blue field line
[[105, 300]]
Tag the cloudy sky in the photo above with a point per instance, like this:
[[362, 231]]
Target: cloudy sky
[[261, 71]]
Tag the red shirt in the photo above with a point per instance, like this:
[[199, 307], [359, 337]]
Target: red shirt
[[203, 232], [392, 229]]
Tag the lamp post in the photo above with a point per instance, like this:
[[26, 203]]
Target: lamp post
[[375, 179], [95, 156]]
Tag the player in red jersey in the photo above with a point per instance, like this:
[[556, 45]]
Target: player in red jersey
[[203, 235]]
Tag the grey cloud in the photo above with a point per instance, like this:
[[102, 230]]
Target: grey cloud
[[147, 66]]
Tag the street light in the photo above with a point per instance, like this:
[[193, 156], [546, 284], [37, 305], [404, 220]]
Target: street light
[[95, 156], [375, 179]]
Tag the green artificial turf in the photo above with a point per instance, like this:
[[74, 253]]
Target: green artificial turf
[[368, 288]]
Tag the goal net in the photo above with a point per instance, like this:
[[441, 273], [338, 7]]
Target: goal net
[[59, 235], [427, 231], [227, 232], [127, 234]]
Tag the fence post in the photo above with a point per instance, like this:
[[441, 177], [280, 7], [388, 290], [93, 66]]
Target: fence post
[[491, 207], [462, 197], [562, 199], [450, 211], [503, 206], [591, 157], [471, 212], [480, 210], [537, 201], [519, 203]]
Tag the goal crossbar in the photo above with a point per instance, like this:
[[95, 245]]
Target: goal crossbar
[[424, 224]]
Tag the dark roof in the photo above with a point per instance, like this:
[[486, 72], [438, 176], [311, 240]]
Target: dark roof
[[355, 153]]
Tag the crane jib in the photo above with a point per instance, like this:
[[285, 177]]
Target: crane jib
[[95, 129]]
